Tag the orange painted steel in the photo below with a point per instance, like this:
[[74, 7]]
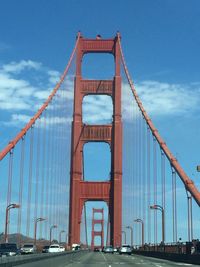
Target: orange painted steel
[[19, 136], [99, 233], [108, 191], [189, 184]]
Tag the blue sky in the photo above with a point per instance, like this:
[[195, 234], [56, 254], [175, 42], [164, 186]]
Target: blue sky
[[160, 41]]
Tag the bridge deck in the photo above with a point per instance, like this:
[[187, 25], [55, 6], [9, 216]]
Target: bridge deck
[[96, 259]]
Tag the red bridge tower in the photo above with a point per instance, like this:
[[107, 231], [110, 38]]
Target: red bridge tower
[[108, 191], [100, 222]]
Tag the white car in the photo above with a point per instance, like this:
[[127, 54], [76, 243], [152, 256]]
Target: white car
[[28, 249], [54, 248], [125, 249], [62, 249]]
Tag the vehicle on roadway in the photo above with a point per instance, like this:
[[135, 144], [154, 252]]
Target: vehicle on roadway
[[96, 249], [108, 249], [116, 249], [125, 249], [76, 247], [28, 249], [62, 249], [8, 249], [45, 249], [54, 248]]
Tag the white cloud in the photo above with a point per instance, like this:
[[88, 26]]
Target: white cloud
[[162, 98], [97, 109], [18, 118], [26, 94], [43, 94], [20, 93], [22, 119], [17, 67], [54, 76]]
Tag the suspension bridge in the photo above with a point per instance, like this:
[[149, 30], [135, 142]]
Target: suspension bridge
[[148, 201]]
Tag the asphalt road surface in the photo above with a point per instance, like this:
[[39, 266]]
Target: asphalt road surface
[[99, 259]]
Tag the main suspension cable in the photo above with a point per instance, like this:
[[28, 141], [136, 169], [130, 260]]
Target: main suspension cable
[[189, 184]]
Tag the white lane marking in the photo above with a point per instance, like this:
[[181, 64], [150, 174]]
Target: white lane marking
[[183, 264], [104, 257]]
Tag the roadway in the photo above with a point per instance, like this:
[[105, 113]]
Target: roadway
[[99, 259]]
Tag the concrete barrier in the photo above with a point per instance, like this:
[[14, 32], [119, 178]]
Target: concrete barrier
[[187, 258], [21, 259]]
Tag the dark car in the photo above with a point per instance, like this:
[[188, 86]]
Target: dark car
[[96, 249], [8, 249], [108, 249], [45, 249]]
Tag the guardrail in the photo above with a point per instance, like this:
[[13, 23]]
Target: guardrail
[[21, 259], [192, 247]]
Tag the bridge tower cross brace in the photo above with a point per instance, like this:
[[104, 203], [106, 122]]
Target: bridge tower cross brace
[[108, 191]]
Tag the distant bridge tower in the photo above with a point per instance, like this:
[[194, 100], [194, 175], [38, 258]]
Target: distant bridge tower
[[108, 191], [100, 222]]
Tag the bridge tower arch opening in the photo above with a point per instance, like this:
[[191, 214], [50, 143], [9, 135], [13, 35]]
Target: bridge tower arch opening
[[108, 191]]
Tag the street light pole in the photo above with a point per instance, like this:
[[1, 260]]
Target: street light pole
[[9, 207], [158, 207], [35, 228], [131, 228], [142, 223], [51, 228], [62, 231], [123, 232]]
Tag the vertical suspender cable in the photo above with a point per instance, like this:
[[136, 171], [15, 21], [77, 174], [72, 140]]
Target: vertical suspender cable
[[155, 187], [47, 174], [163, 178], [21, 186], [163, 181], [37, 169], [174, 209], [43, 163], [149, 183], [191, 219], [30, 182], [144, 174], [10, 174]]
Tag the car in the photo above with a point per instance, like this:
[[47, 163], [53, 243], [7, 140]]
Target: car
[[116, 249], [62, 249], [54, 248], [8, 249], [45, 249], [108, 249], [76, 247], [125, 249], [28, 249], [96, 249]]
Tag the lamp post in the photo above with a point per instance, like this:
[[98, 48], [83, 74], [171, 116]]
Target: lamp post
[[142, 223], [51, 228], [131, 228], [35, 228], [62, 231], [158, 207], [123, 232], [9, 207]]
